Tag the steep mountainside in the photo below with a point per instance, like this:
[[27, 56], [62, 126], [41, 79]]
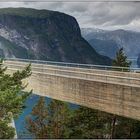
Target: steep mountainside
[[129, 40], [105, 47], [9, 49], [47, 35]]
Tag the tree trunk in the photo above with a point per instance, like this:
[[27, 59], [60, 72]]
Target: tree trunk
[[113, 126]]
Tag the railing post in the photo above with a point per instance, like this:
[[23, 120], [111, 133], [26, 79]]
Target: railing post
[[78, 65]]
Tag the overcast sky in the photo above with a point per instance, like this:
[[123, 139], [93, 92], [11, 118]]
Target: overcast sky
[[106, 15]]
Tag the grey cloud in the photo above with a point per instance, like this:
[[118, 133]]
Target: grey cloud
[[98, 14]]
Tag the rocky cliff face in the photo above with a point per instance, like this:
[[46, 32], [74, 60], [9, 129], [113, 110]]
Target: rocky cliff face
[[46, 35]]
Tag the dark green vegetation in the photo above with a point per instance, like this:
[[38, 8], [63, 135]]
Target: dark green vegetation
[[121, 60], [11, 98], [49, 122], [58, 121], [46, 35], [37, 125], [26, 12]]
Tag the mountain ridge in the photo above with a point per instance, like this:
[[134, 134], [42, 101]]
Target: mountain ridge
[[48, 35], [124, 38]]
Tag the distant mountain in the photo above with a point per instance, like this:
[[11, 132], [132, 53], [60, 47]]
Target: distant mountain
[[129, 40], [105, 47], [46, 35], [90, 31]]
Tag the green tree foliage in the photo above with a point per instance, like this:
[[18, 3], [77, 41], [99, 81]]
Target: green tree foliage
[[88, 123], [121, 60], [59, 114], [12, 97], [85, 123], [36, 123], [6, 131], [48, 122], [127, 128], [57, 121]]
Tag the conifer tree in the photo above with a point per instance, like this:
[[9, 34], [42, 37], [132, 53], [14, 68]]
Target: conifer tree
[[48, 122], [36, 123], [121, 60], [127, 128], [59, 114], [87, 123], [12, 98]]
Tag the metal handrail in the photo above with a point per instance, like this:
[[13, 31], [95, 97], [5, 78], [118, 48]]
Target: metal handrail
[[83, 78], [79, 72], [89, 66]]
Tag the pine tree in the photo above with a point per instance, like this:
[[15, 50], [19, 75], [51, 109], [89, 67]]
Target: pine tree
[[125, 128], [121, 60], [6, 131], [87, 123], [48, 122], [36, 123], [59, 114], [12, 98]]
